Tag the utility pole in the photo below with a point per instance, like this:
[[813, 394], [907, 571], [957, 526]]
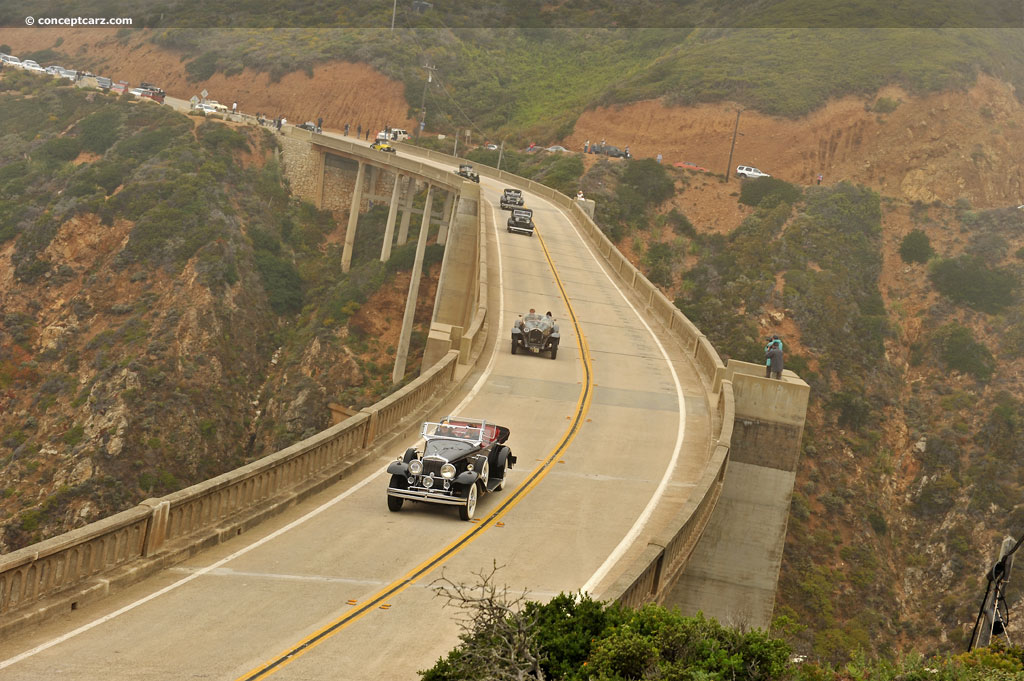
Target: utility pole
[[423, 102], [734, 133], [501, 151], [990, 621], [394, 10]]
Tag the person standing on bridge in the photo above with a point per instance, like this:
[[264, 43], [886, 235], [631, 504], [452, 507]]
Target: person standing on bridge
[[773, 357]]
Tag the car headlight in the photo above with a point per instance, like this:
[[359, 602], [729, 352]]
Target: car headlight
[[415, 466], [469, 466], [447, 471], [427, 481]]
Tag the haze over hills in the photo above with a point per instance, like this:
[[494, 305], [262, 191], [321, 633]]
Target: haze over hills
[[911, 470]]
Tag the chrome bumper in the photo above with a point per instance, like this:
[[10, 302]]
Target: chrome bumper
[[431, 497]]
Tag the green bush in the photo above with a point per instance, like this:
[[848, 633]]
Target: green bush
[[99, 130], [281, 281], [916, 247], [768, 192], [884, 105], [959, 351], [937, 496], [969, 280]]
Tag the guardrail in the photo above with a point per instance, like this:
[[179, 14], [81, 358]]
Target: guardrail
[[58, 574], [665, 557]]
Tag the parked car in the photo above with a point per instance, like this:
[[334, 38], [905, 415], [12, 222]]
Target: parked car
[[119, 87], [398, 135], [511, 199], [614, 152], [70, 74], [466, 171], [104, 82], [557, 148], [10, 59], [55, 70], [30, 65], [535, 333], [205, 108], [383, 145], [686, 165], [521, 221], [462, 459], [491, 147], [749, 171], [308, 125]]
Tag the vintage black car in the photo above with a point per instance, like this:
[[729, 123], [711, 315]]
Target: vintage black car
[[535, 333], [512, 198], [521, 221], [466, 171], [461, 460]]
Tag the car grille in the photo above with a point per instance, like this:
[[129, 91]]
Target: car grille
[[536, 336], [432, 466]]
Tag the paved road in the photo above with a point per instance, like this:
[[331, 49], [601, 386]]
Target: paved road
[[233, 611]]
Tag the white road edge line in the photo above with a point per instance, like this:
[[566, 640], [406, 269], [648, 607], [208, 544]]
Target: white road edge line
[[290, 526], [645, 515]]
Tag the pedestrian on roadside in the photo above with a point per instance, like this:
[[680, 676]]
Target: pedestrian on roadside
[[627, 152], [234, 107], [320, 124], [277, 123], [367, 133], [659, 158], [359, 130], [819, 178], [586, 146], [346, 130]]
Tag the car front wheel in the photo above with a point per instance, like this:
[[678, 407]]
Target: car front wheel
[[554, 351], [515, 346], [395, 503], [467, 510]]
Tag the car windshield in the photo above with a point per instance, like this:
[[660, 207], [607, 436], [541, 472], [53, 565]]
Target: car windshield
[[448, 449]]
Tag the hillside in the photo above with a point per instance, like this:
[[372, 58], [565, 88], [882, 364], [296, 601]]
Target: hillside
[[911, 473], [169, 311]]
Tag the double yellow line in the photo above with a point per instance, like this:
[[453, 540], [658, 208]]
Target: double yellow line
[[399, 585]]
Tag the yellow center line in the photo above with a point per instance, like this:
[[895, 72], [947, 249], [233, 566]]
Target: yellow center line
[[424, 568]]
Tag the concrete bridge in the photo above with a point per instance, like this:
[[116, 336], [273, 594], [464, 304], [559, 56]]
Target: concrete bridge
[[648, 471]]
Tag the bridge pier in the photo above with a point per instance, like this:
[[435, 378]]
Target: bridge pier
[[733, 572], [403, 230], [402, 355], [389, 228], [353, 219], [446, 216]]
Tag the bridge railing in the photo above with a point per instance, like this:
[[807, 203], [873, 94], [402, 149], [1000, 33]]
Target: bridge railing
[[58, 574], [666, 555]]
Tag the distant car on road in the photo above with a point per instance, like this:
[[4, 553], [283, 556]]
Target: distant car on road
[[10, 59], [749, 172], [521, 221], [55, 70], [462, 459], [686, 165], [205, 108], [511, 199], [383, 145], [557, 147], [466, 171], [30, 65], [491, 147], [308, 125]]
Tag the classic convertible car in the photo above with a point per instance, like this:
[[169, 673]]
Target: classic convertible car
[[521, 221], [461, 460], [466, 171], [511, 198], [535, 333]]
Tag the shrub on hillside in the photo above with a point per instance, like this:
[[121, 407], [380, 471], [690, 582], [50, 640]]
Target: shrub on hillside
[[768, 192], [916, 247], [968, 280], [281, 281], [960, 352]]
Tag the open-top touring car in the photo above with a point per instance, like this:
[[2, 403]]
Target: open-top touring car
[[521, 221], [511, 198], [466, 171], [535, 333], [461, 460]]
